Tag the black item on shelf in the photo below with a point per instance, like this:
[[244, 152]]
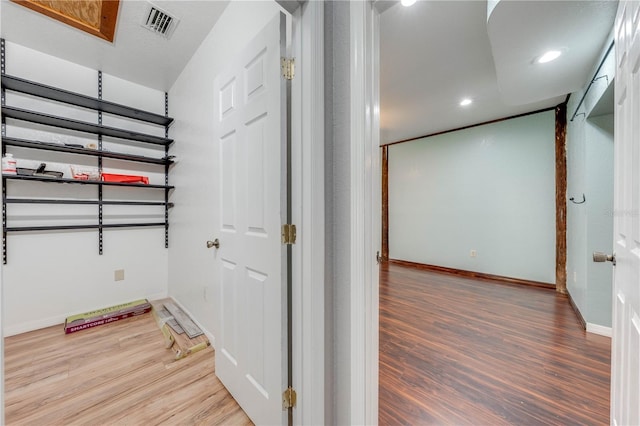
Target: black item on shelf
[[23, 171], [50, 174]]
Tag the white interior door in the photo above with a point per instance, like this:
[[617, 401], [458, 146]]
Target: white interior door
[[250, 132], [625, 356]]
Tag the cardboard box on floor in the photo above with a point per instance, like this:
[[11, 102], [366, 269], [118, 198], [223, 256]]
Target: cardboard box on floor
[[105, 316]]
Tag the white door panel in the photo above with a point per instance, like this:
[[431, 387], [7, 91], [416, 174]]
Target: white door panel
[[625, 358], [228, 182], [251, 348]]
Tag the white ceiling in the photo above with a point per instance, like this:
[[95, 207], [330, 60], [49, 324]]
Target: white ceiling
[[432, 54], [137, 54], [435, 53]]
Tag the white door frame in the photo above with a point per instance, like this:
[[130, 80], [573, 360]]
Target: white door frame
[[307, 168], [308, 212], [365, 209]]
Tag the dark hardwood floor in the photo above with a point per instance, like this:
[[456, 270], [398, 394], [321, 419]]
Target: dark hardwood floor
[[458, 351]]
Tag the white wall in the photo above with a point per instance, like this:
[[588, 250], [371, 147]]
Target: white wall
[[338, 210], [599, 180], [329, 366], [195, 218], [576, 215], [590, 172], [489, 188], [50, 275]]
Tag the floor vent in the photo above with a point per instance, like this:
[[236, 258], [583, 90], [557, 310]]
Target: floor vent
[[159, 21]]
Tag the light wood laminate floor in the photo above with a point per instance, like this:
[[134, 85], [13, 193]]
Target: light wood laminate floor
[[118, 374]]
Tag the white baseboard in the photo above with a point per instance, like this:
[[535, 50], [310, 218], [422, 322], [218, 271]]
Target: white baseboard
[[599, 329], [25, 327], [210, 336]]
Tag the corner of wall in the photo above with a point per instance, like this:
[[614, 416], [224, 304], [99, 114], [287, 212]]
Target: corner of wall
[[599, 329], [585, 175]]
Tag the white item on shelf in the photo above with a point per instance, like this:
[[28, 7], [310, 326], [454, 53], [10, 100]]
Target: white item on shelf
[[84, 173], [9, 165]]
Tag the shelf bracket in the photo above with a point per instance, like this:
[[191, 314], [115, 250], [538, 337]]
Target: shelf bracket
[[166, 174], [100, 236], [2, 70], [2, 58], [4, 220]]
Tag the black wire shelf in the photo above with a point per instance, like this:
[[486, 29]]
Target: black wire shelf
[[82, 126], [45, 146], [88, 226], [84, 182], [86, 202], [32, 88]]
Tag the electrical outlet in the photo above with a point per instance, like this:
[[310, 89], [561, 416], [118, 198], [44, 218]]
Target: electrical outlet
[[473, 253], [118, 275], [575, 277]]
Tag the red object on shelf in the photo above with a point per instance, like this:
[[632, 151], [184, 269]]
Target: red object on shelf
[[110, 177]]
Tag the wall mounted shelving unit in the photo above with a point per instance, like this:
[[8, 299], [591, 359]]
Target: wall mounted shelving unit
[[20, 85]]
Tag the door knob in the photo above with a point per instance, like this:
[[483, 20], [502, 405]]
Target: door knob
[[215, 243], [603, 257]]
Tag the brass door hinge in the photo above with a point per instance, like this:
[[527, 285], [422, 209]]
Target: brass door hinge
[[289, 398], [288, 234], [288, 66]]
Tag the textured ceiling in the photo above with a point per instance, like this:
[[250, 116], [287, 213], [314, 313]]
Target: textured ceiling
[[519, 31], [136, 54], [435, 53], [432, 54]]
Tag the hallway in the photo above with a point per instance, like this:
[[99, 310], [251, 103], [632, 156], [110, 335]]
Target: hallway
[[460, 351]]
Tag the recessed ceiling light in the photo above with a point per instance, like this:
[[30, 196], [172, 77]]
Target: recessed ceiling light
[[407, 3], [549, 56], [466, 102]]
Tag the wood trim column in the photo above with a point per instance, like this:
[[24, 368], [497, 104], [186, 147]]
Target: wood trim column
[[561, 198], [385, 202]]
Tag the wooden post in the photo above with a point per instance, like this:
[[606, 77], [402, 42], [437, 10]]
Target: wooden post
[[385, 203], [561, 198]]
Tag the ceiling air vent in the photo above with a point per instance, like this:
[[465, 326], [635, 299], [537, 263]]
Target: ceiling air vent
[[159, 21]]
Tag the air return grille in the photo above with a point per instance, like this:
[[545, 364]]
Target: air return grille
[[159, 21]]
